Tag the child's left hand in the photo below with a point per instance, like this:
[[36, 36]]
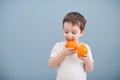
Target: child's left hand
[[83, 58]]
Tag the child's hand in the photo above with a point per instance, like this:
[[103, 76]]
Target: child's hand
[[69, 51], [82, 50], [83, 57]]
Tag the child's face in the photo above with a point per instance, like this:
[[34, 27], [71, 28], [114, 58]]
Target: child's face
[[72, 32]]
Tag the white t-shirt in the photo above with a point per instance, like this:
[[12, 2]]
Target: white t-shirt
[[72, 67]]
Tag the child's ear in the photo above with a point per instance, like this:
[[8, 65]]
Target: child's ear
[[82, 32]]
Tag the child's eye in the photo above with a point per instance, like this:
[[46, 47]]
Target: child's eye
[[66, 31], [73, 32]]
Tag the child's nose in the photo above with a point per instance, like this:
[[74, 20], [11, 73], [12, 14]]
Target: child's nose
[[70, 35]]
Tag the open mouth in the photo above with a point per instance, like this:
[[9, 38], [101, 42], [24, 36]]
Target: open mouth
[[69, 40]]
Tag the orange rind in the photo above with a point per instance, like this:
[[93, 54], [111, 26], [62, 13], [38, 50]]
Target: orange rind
[[82, 50], [72, 44]]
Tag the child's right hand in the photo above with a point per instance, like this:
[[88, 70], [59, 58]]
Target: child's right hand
[[69, 51]]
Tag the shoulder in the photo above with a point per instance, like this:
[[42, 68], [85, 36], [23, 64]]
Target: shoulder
[[59, 44], [85, 45]]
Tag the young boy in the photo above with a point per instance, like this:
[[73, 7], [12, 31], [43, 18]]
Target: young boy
[[70, 66]]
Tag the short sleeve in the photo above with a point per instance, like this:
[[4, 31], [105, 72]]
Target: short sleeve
[[90, 53], [56, 49]]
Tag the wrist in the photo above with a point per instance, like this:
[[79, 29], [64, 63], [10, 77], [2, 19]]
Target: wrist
[[84, 58], [64, 53]]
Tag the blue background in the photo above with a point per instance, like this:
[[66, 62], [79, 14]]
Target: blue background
[[30, 28]]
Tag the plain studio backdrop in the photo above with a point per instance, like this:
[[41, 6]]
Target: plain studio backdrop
[[30, 28]]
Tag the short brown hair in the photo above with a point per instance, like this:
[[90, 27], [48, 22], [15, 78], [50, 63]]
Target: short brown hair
[[76, 19]]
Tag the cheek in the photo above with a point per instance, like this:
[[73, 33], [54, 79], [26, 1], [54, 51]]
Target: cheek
[[64, 34], [77, 36]]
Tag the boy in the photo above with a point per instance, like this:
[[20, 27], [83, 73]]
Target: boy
[[70, 66]]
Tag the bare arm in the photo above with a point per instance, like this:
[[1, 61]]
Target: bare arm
[[88, 64], [55, 61]]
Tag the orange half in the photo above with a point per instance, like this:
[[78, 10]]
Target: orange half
[[72, 44], [82, 50]]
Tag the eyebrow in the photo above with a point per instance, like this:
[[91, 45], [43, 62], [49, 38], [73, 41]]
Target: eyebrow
[[74, 30], [65, 29]]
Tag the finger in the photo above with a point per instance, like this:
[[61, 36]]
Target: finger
[[83, 58], [71, 49], [85, 55], [74, 51]]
